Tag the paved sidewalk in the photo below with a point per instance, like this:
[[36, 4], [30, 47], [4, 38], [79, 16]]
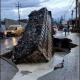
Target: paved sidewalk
[[61, 34], [71, 63]]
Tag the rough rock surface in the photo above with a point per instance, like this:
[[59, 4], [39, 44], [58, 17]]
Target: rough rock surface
[[35, 44]]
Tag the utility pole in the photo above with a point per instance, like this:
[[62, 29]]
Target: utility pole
[[79, 13], [72, 17], [72, 14], [18, 6], [76, 11]]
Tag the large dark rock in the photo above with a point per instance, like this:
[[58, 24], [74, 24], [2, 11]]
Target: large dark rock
[[35, 44]]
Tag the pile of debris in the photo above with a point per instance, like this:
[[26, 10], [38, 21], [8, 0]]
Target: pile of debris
[[35, 44]]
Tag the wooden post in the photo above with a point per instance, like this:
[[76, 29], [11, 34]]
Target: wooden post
[[79, 14], [76, 12], [18, 6]]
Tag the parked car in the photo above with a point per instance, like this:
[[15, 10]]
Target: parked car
[[14, 30]]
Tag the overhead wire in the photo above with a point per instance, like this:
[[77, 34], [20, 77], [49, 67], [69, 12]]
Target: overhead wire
[[69, 8], [22, 5]]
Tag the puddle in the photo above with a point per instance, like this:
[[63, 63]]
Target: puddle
[[25, 72]]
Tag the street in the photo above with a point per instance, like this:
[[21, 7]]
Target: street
[[40, 40], [46, 71], [6, 44]]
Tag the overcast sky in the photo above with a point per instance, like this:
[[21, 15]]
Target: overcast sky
[[58, 7]]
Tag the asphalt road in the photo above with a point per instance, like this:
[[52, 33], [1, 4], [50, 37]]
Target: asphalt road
[[6, 44]]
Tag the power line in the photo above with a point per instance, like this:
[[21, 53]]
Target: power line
[[24, 4], [18, 6], [69, 8], [72, 4]]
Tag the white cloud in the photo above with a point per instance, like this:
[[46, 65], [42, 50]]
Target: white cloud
[[58, 7]]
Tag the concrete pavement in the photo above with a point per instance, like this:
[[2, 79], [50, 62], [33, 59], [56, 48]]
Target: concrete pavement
[[71, 63]]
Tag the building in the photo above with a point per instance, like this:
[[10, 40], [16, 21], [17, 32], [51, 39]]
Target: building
[[9, 22], [76, 22]]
